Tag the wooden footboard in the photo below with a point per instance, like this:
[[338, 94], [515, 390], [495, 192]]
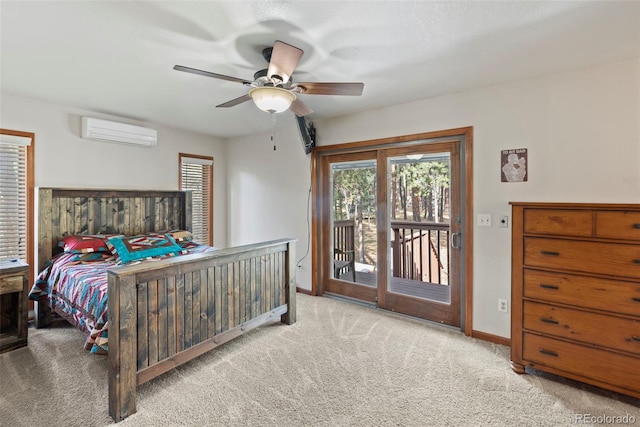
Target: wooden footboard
[[162, 314]]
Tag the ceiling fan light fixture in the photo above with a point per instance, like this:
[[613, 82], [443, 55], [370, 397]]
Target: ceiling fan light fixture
[[272, 99]]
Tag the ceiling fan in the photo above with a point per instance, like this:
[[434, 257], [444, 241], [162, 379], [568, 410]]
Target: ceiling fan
[[273, 90]]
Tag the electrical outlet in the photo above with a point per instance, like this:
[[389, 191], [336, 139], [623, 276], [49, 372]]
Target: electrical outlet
[[504, 221], [503, 305], [299, 267], [484, 220]]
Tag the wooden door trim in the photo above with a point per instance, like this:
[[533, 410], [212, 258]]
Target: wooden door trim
[[468, 230], [383, 234], [395, 140], [31, 160], [466, 133]]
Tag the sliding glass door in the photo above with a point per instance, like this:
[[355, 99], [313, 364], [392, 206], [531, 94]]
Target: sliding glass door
[[390, 228], [351, 232], [423, 222]]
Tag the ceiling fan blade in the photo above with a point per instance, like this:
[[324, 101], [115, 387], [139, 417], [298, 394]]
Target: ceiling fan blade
[[209, 74], [350, 89], [284, 59], [300, 109], [236, 101]]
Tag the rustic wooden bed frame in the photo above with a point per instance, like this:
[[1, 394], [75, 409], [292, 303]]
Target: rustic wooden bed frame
[[165, 313]]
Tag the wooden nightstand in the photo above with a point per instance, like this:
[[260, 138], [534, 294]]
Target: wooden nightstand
[[14, 311]]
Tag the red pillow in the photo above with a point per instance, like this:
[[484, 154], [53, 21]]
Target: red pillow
[[84, 244]]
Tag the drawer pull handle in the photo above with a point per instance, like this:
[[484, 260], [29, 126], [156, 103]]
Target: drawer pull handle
[[636, 225], [635, 299], [548, 352], [635, 338], [636, 261], [544, 285], [552, 321], [552, 253]]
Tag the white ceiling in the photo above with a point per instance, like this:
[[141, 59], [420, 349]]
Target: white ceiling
[[116, 57]]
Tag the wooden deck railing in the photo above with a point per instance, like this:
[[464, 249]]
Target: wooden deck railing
[[344, 253], [420, 251], [343, 234], [344, 237]]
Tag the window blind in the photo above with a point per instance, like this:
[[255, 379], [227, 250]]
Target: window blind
[[13, 200], [197, 176]]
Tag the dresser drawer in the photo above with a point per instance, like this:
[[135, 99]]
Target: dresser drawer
[[11, 284], [599, 365], [558, 222], [592, 257], [583, 291], [618, 225], [590, 328]]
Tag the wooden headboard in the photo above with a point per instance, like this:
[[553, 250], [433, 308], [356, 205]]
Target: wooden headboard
[[64, 212]]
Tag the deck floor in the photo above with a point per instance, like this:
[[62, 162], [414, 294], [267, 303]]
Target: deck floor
[[414, 288]]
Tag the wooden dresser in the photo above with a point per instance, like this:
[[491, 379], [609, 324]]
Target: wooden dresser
[[575, 292]]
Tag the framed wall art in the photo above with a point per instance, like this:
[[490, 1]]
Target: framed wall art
[[513, 165]]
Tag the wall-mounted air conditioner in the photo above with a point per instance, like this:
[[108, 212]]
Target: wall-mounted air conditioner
[[108, 131]]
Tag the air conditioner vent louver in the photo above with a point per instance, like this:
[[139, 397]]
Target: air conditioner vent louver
[[108, 131]]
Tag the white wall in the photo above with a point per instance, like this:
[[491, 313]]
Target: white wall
[[268, 190], [581, 129], [63, 159]]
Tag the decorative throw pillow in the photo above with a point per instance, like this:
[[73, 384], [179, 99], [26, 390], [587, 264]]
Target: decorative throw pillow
[[134, 248], [82, 244], [180, 235]]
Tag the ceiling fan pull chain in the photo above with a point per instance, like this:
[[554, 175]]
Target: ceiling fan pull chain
[[273, 130]]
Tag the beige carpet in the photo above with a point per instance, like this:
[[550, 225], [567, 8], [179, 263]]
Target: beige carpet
[[340, 365]]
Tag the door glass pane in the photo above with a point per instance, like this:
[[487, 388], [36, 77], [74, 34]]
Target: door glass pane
[[353, 218], [419, 226]]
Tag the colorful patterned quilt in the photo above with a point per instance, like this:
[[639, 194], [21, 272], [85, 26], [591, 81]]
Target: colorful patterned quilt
[[75, 286]]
